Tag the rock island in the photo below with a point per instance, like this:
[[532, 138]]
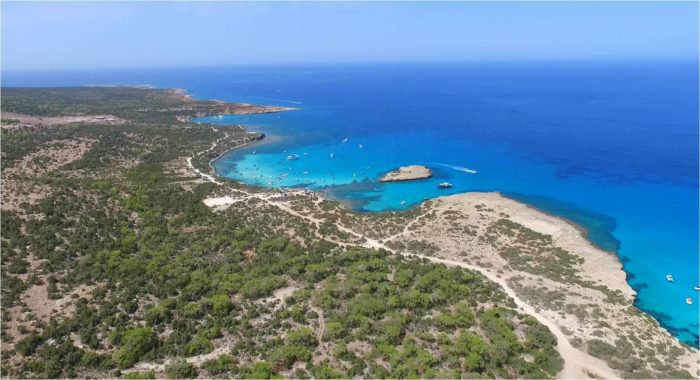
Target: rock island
[[407, 173]]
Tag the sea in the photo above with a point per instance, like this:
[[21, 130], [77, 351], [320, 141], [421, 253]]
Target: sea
[[609, 145]]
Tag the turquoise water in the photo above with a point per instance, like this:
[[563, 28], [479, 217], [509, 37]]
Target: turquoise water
[[590, 152], [610, 146]]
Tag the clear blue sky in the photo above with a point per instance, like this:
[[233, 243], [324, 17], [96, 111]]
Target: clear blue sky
[[90, 35]]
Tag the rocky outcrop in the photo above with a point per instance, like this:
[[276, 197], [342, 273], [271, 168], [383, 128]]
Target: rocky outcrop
[[407, 173]]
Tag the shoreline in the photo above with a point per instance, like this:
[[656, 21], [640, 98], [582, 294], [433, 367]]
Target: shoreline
[[578, 362], [259, 138], [584, 234], [581, 230]]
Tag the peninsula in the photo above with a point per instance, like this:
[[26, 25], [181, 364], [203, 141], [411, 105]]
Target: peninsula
[[407, 173]]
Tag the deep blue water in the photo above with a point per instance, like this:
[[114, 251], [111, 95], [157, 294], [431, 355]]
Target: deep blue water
[[610, 146]]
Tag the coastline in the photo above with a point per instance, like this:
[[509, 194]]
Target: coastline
[[597, 261], [257, 137], [582, 231], [598, 277]]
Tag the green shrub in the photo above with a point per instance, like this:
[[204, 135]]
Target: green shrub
[[134, 344], [180, 369]]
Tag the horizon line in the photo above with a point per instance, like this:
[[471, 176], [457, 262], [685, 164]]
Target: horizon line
[[695, 60]]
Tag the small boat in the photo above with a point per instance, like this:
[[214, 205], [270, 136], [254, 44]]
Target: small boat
[[403, 203], [360, 146], [444, 185], [697, 288], [254, 152], [332, 155], [689, 301], [292, 157], [669, 278], [306, 172], [344, 141]]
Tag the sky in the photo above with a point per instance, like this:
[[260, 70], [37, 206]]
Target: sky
[[85, 35]]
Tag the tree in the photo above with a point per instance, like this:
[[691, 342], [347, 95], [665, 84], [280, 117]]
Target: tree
[[221, 305], [28, 345], [260, 370], [303, 337], [134, 344], [473, 349]]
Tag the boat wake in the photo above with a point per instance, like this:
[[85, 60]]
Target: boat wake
[[455, 167]]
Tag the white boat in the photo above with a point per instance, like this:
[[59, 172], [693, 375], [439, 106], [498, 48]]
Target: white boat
[[669, 278], [292, 157], [306, 172], [360, 146], [332, 155], [689, 301], [444, 185], [344, 141], [697, 287], [403, 203]]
